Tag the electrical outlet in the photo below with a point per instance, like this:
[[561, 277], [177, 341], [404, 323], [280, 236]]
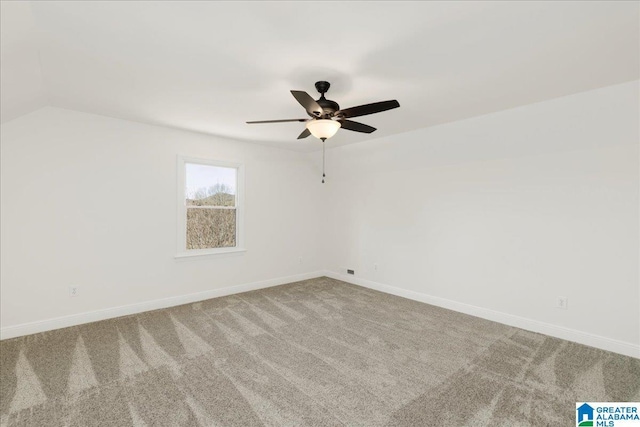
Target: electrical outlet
[[562, 303], [300, 260], [350, 272], [375, 267], [73, 291]]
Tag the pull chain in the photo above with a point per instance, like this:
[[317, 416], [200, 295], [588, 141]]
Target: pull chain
[[323, 139]]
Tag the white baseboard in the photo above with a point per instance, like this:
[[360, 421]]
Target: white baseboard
[[109, 313], [597, 341], [616, 346]]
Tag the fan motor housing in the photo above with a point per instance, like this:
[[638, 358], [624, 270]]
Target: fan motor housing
[[328, 106]]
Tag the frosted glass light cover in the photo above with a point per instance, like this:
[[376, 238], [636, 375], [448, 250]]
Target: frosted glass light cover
[[323, 128]]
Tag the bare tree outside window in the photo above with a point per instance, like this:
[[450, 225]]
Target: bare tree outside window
[[211, 210]]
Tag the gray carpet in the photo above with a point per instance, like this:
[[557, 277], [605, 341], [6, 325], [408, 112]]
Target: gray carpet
[[314, 353]]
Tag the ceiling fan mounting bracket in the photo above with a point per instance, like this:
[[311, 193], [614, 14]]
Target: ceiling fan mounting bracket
[[323, 87]]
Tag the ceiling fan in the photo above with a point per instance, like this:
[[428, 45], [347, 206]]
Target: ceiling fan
[[326, 117]]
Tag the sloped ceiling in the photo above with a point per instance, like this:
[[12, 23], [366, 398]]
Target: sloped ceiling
[[22, 86], [211, 66]]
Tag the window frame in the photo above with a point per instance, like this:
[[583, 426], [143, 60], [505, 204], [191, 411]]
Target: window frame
[[181, 249]]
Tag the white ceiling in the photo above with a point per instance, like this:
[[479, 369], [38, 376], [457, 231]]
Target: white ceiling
[[211, 66]]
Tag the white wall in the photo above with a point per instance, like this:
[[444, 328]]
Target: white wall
[[503, 212], [90, 201]]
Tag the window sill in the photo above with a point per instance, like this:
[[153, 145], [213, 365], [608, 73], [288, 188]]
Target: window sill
[[206, 253]]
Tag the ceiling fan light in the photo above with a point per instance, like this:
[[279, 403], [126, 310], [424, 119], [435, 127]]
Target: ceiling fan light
[[323, 128]]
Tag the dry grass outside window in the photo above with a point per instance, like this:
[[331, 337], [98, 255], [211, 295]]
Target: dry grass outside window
[[211, 228]]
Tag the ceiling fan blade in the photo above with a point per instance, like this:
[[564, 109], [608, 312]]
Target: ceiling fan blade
[[305, 133], [363, 110], [277, 121], [313, 108], [357, 127]]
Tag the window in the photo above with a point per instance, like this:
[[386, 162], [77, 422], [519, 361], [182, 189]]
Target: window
[[209, 207]]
